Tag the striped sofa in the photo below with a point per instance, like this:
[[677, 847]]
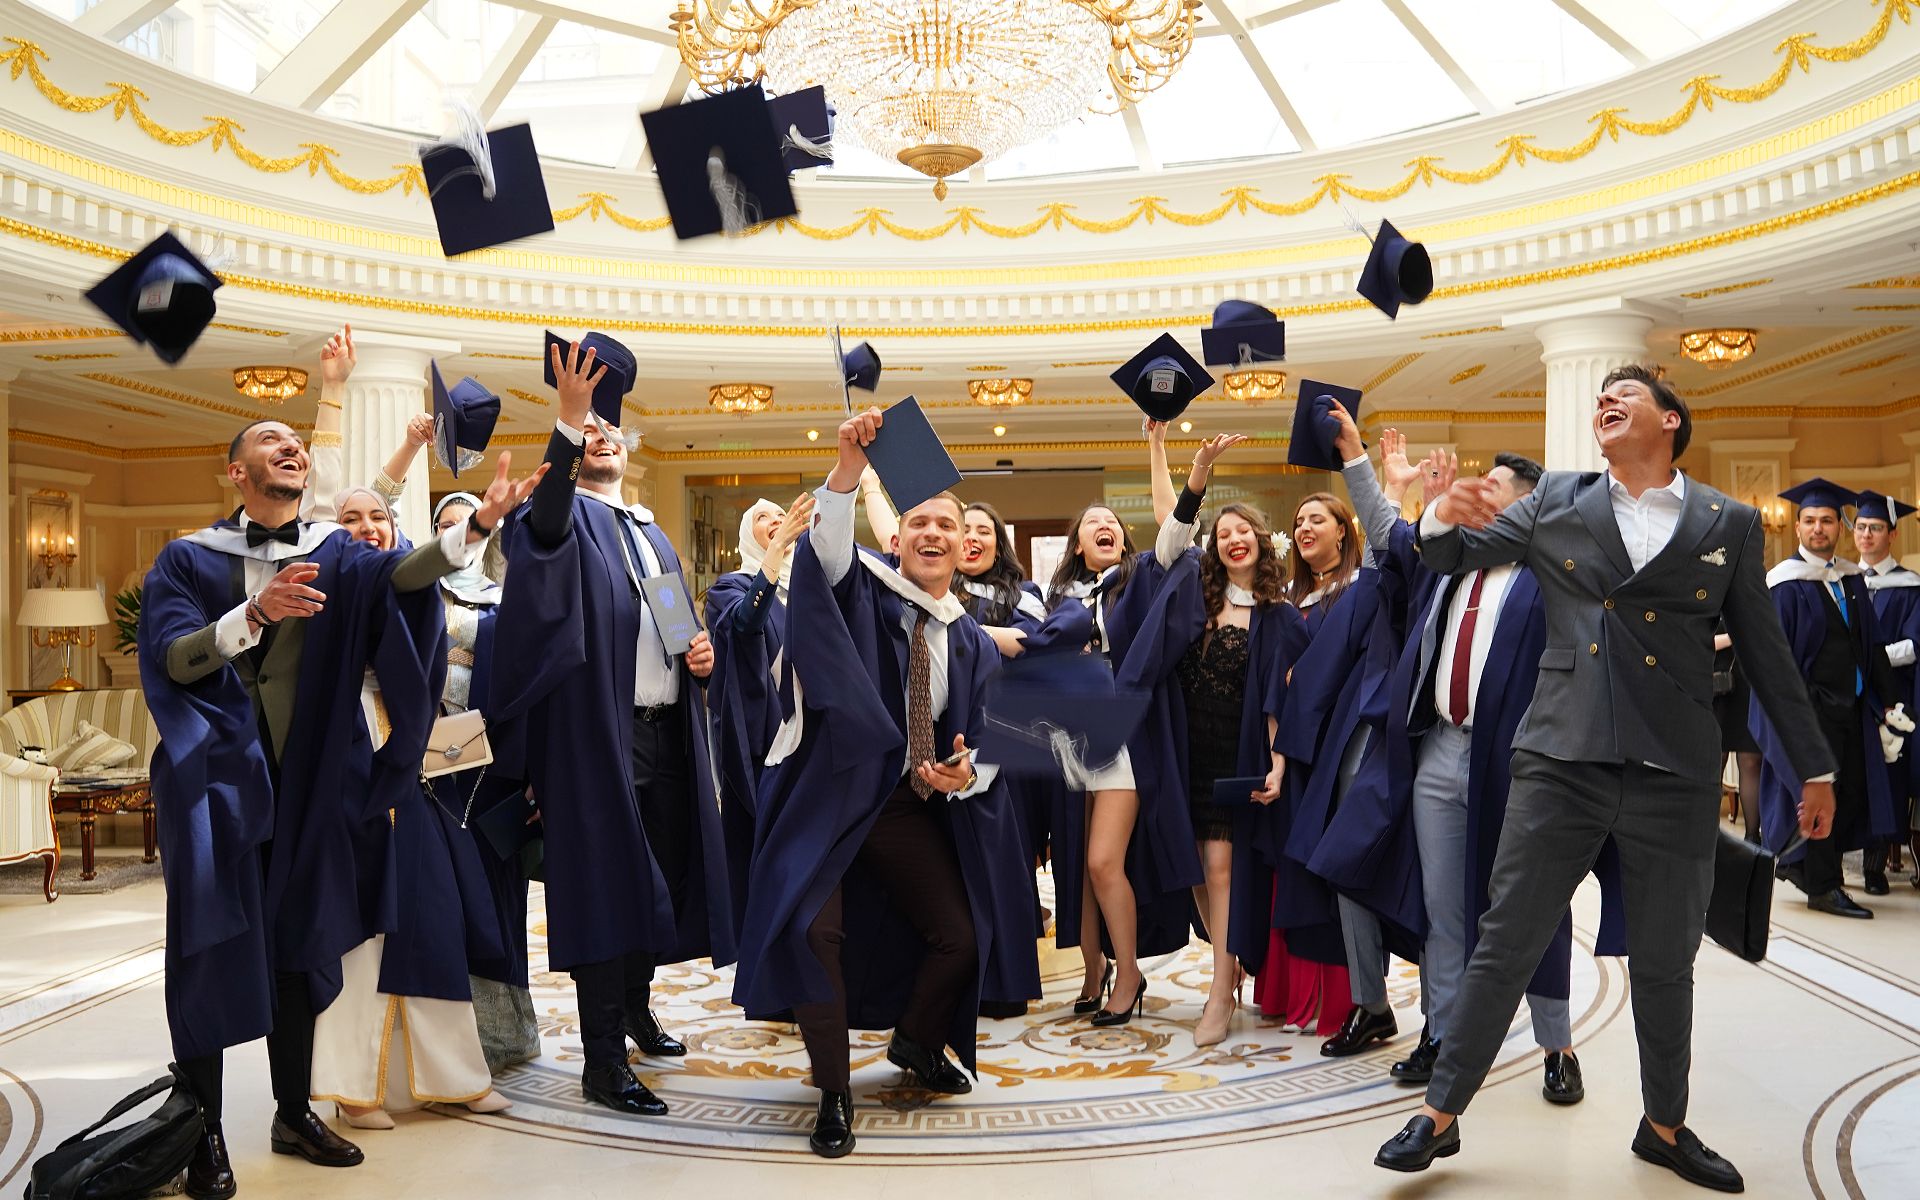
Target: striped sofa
[[26, 789]]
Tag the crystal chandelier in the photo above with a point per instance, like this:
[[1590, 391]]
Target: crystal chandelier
[[1717, 347], [942, 84], [1000, 393], [269, 385], [1254, 386], [741, 399]]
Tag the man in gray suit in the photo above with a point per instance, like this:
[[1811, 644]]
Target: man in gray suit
[[1635, 565]]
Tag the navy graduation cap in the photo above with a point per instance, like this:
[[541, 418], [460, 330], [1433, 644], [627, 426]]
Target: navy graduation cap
[[1875, 505], [1057, 715], [1315, 426], [1243, 333], [1820, 493], [803, 121], [908, 456], [1162, 379], [857, 368], [162, 297], [720, 163], [614, 385], [485, 186], [463, 420], [1397, 272]]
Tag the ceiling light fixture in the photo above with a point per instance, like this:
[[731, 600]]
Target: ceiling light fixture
[[1715, 348], [813, 435], [999, 431], [741, 399], [941, 85], [1255, 387], [1000, 393], [269, 385]]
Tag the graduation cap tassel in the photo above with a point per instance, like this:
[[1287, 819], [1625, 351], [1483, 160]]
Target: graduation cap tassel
[[469, 135], [822, 149], [736, 206], [1354, 224]]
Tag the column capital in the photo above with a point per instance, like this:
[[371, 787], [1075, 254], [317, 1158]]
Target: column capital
[[1608, 311], [397, 353]]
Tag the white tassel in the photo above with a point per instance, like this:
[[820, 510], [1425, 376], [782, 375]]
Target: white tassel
[[1354, 224], [469, 136], [737, 209], [629, 438], [822, 149]]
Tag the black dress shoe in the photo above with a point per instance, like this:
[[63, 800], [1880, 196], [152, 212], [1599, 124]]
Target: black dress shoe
[[616, 1088], [1003, 1010], [1793, 874], [929, 1068], [1687, 1158], [1415, 1147], [1418, 1066], [1877, 883], [210, 1175], [308, 1136], [1563, 1084], [1361, 1030], [1836, 902], [832, 1135], [653, 1041]]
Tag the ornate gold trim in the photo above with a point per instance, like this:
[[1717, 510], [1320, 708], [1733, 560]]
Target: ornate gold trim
[[1454, 333], [1469, 373], [27, 337], [1870, 364], [254, 329], [1521, 394], [54, 358], [1731, 287], [529, 397], [1515, 150], [1886, 308], [507, 357], [1095, 362], [132, 408], [1394, 368], [1798, 360], [173, 394], [1899, 282]]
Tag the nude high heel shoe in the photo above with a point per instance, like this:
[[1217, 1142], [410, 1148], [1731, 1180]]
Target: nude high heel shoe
[[376, 1118], [492, 1102]]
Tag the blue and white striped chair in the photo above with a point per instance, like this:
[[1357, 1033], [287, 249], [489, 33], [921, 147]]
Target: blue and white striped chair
[[26, 789]]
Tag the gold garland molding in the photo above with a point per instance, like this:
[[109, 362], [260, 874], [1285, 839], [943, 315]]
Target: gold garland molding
[[1795, 53]]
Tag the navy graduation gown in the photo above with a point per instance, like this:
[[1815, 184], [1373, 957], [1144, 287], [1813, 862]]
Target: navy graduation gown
[[1802, 604], [848, 650], [1896, 611], [746, 709], [568, 671], [234, 916], [1276, 637]]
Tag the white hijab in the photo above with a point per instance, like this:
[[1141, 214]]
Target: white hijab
[[752, 554], [469, 583]]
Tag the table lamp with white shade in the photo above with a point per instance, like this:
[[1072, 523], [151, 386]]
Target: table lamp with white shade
[[67, 616]]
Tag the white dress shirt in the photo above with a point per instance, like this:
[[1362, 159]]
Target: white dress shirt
[[1493, 594], [1647, 524], [656, 677], [832, 540]]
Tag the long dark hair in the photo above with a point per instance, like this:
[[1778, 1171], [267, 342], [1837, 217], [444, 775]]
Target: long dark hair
[[1073, 565], [1269, 581], [1300, 580], [1004, 577]]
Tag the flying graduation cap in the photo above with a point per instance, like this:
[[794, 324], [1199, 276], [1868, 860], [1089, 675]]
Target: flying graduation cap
[[1162, 379], [1397, 271], [856, 368], [613, 386], [162, 297], [463, 420], [803, 121], [1878, 506], [1058, 716], [1315, 427], [1243, 333], [485, 185], [1821, 493], [720, 163]]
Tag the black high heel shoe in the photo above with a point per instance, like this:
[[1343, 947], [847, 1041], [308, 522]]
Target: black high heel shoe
[[1107, 1017], [1088, 1005]]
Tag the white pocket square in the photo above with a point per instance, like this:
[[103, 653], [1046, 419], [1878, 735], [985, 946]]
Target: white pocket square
[[1718, 558]]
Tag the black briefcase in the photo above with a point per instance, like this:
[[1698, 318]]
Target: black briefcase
[[1741, 910]]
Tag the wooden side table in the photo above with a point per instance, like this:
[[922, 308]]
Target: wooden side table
[[131, 796]]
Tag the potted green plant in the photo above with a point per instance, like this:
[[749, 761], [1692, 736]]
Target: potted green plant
[[123, 662]]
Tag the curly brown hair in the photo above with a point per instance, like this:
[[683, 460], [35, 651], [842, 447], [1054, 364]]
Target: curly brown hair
[[1269, 581], [1300, 583]]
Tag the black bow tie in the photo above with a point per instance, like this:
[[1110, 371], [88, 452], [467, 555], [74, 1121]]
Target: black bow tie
[[260, 535]]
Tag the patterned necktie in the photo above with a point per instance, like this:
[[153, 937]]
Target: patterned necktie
[[919, 706]]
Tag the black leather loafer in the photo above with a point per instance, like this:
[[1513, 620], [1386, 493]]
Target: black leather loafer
[[210, 1174], [1418, 1066], [616, 1088], [929, 1068], [832, 1135], [309, 1137], [1415, 1147], [1563, 1084], [653, 1041], [1687, 1158], [1836, 902], [1361, 1030], [1877, 883]]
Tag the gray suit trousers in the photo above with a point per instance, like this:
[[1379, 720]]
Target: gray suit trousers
[[1558, 815]]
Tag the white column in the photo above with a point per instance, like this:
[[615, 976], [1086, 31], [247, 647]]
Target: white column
[[389, 385], [1580, 343], [7, 629]]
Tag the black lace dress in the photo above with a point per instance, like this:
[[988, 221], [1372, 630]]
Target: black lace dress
[[1213, 681]]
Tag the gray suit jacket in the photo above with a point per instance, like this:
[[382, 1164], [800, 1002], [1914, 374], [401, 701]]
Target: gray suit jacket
[[1627, 674]]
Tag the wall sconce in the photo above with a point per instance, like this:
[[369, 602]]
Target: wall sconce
[[52, 554], [1774, 517]]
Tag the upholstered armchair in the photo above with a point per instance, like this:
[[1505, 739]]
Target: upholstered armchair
[[26, 789], [26, 817]]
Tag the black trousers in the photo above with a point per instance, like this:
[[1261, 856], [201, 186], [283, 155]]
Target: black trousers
[[1840, 725], [612, 991], [1558, 816], [910, 857]]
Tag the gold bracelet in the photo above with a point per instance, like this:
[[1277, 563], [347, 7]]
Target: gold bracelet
[[330, 403]]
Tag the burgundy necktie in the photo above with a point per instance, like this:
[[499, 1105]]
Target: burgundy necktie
[[919, 706], [1463, 653]]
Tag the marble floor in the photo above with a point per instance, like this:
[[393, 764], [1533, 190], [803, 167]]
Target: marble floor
[[1806, 1075]]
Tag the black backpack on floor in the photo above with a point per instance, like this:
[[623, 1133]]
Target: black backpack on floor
[[124, 1164]]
